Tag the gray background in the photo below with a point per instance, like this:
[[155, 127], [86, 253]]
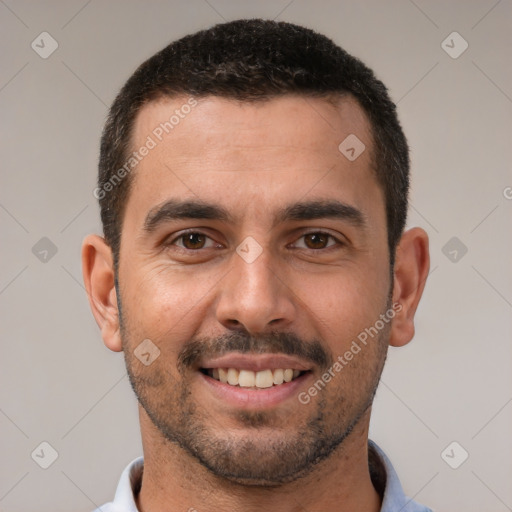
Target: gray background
[[59, 383]]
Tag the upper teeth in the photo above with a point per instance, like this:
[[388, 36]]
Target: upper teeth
[[249, 379]]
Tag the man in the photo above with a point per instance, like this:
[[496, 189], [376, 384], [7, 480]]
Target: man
[[254, 269]]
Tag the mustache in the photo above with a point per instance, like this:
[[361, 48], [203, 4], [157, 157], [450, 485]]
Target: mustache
[[273, 342]]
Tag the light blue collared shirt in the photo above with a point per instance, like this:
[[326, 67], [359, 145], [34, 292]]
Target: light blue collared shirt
[[393, 499]]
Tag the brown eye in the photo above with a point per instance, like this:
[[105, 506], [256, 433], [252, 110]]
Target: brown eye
[[316, 240], [193, 240]]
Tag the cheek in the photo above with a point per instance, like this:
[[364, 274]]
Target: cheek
[[345, 304], [161, 302]]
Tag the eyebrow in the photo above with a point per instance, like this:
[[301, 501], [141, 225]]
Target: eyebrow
[[175, 209]]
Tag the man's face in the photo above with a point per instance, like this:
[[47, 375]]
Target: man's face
[[292, 296]]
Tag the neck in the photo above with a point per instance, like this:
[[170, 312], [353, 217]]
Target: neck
[[174, 480]]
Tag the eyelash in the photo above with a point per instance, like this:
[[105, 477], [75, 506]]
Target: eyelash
[[338, 243]]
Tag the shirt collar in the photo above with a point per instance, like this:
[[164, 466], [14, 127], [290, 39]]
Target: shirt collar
[[383, 475], [393, 498]]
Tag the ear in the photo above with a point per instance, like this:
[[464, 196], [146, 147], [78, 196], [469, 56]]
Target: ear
[[412, 265], [98, 274]]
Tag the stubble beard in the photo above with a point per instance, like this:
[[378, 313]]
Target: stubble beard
[[266, 449]]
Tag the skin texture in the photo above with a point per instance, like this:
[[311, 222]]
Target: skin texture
[[303, 295]]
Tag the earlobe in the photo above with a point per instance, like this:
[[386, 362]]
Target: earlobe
[[412, 265], [98, 275]]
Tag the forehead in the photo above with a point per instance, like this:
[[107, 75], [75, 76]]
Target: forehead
[[238, 153], [216, 123]]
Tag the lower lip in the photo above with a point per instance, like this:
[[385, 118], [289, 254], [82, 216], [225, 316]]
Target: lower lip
[[249, 398]]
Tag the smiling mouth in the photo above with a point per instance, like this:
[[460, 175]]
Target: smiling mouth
[[249, 379]]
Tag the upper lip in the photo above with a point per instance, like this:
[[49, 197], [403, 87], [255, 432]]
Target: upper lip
[[256, 362]]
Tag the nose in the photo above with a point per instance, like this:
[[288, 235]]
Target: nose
[[255, 296]]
